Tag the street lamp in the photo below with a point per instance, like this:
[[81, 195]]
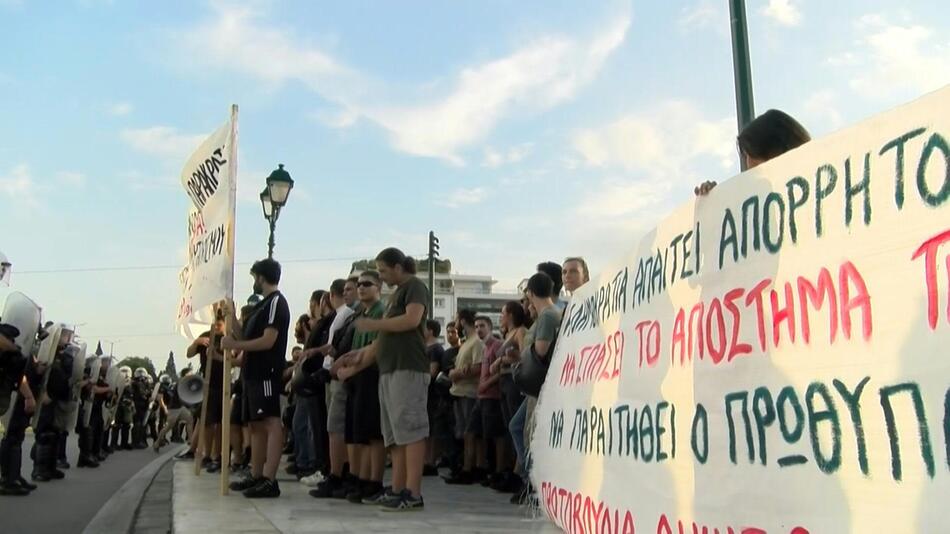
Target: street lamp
[[273, 198]]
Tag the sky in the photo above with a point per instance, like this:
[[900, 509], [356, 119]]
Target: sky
[[517, 131]]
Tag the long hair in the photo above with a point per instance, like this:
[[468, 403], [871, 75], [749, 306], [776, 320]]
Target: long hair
[[392, 257]]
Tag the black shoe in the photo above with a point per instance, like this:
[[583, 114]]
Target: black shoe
[[127, 447], [291, 469], [56, 474], [205, 462], [245, 484], [23, 483], [464, 478], [430, 471], [13, 489], [266, 489], [407, 503], [87, 461], [39, 476], [325, 489], [213, 467], [62, 464], [187, 455], [101, 458]]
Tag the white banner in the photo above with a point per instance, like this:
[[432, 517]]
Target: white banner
[[209, 179], [772, 357]]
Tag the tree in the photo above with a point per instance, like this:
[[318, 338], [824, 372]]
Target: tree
[[138, 361], [441, 266]]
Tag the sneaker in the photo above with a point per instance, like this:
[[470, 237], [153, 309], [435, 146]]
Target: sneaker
[[186, 455], [213, 467], [313, 480], [464, 478], [266, 489], [430, 471], [326, 488], [245, 483], [366, 490], [405, 503], [382, 496]]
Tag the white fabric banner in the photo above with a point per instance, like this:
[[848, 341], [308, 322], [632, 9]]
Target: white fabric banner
[[209, 179], [772, 357]]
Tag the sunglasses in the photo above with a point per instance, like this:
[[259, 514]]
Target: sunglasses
[[365, 283]]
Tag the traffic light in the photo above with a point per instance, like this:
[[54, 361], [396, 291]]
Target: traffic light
[[433, 245]]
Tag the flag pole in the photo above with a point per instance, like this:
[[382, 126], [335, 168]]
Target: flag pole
[[229, 328]]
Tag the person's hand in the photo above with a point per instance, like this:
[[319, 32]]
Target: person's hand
[[495, 366], [349, 359], [239, 359], [29, 405], [344, 373], [704, 188], [202, 342], [454, 375], [228, 342]]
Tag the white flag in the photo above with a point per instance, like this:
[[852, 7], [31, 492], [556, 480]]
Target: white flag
[[209, 179]]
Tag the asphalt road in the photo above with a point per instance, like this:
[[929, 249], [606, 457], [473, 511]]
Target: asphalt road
[[66, 506]]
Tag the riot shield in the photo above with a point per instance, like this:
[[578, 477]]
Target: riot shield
[[47, 353], [113, 378], [21, 312], [78, 351], [94, 364]]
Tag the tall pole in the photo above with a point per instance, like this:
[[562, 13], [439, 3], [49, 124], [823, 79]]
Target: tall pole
[[742, 65], [270, 242]]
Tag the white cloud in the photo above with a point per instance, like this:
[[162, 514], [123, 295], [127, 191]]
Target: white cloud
[[894, 59], [162, 141], [704, 14], [18, 185], [120, 109], [462, 197], [823, 107], [663, 141], [447, 117], [71, 178], [496, 158], [783, 12]]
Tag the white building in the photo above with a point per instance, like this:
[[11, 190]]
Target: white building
[[454, 292]]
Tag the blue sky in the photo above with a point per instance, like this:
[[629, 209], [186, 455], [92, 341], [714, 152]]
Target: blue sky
[[518, 131]]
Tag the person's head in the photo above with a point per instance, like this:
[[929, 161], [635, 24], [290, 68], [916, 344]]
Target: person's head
[[349, 290], [295, 353], [368, 283], [483, 327], [336, 293], [768, 136], [452, 334], [266, 275], [185, 372], [540, 289], [219, 322], [466, 320], [574, 273], [553, 271], [315, 299], [513, 315], [300, 329], [433, 329], [394, 266], [246, 311]]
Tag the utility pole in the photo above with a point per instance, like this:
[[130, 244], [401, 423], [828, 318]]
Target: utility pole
[[433, 254], [742, 65]]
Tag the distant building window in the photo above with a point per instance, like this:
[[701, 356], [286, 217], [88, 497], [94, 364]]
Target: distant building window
[[439, 303]]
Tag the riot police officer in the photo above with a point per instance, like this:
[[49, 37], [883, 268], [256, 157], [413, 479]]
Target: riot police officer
[[51, 420], [124, 412], [27, 379], [141, 394]]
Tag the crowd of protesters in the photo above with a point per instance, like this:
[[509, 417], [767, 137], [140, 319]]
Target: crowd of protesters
[[372, 383]]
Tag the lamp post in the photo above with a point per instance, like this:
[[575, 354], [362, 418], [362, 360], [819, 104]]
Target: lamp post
[[273, 198], [742, 66]]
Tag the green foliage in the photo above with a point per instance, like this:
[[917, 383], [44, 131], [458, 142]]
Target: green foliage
[[422, 265], [139, 361]]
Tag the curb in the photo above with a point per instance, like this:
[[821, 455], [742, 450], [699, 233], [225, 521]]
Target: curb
[[118, 513]]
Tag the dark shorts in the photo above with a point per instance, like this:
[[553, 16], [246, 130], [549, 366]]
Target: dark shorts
[[487, 420], [362, 423], [237, 410], [464, 410], [261, 399], [214, 407]]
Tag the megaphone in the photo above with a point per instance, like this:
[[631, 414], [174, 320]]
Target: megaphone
[[191, 389]]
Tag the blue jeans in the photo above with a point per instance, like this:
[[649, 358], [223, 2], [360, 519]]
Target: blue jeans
[[305, 453], [516, 428]]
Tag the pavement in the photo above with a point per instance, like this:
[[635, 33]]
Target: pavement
[[199, 508], [68, 505]]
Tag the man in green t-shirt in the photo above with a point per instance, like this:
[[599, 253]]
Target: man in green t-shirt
[[399, 353], [363, 435]]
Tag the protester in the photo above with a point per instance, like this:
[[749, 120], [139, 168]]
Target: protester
[[205, 345], [363, 434], [488, 419], [399, 352], [574, 272], [313, 391], [768, 136], [265, 345], [513, 324], [464, 379], [443, 433], [436, 354], [308, 394]]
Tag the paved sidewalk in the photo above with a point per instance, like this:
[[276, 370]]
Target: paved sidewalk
[[199, 508]]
